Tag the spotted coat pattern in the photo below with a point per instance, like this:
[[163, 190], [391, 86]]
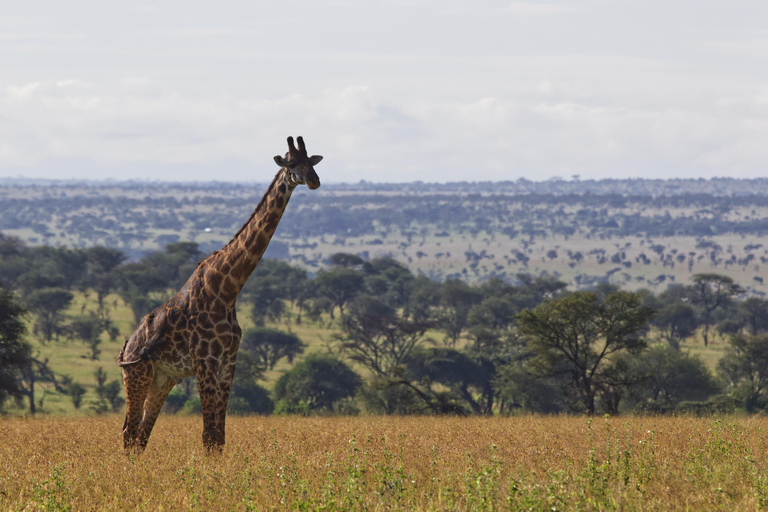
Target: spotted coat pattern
[[196, 331]]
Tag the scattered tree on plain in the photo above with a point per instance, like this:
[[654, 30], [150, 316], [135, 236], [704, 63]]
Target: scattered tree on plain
[[574, 335]]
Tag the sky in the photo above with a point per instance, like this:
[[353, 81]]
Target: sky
[[385, 90]]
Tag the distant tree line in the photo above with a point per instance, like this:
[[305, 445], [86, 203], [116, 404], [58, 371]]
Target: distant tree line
[[404, 344], [130, 216]]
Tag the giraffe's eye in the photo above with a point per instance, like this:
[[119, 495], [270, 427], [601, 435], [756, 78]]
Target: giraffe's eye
[[292, 164]]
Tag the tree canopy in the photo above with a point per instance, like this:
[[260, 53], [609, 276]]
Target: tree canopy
[[15, 353], [574, 335]]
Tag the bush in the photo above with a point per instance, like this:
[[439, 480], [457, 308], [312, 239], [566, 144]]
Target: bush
[[175, 400], [288, 407], [720, 404], [251, 398], [193, 406], [319, 381], [76, 391]]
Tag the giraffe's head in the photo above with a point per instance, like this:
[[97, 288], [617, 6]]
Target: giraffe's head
[[300, 167]]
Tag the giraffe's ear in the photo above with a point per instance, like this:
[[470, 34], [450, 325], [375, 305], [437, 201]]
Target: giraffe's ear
[[282, 162], [315, 159]]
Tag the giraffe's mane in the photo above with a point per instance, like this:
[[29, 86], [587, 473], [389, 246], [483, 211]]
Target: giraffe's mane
[[256, 210]]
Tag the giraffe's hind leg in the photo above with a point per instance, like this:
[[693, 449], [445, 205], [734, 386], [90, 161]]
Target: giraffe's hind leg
[[137, 379], [214, 382], [158, 392]]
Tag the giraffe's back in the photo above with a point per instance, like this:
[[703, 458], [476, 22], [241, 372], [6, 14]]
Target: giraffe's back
[[188, 328]]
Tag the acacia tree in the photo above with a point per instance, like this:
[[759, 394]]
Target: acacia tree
[[272, 284], [671, 376], [430, 372], [34, 372], [14, 351], [89, 329], [423, 297], [71, 263], [745, 368], [272, 345], [754, 311], [340, 285], [319, 382], [377, 337], [49, 304], [456, 300], [574, 337], [101, 273], [675, 323], [709, 292], [19, 370], [247, 395]]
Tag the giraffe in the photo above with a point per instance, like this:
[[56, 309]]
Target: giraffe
[[196, 331]]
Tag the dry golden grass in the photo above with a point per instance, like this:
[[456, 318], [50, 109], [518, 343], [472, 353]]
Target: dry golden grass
[[388, 463]]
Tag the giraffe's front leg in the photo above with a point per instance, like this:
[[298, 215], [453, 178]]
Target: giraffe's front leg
[[158, 392], [214, 383], [137, 379]]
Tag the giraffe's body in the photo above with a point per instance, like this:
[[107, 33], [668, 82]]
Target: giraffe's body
[[196, 332]]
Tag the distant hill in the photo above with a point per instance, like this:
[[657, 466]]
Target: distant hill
[[630, 232]]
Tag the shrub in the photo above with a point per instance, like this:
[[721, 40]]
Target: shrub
[[319, 381]]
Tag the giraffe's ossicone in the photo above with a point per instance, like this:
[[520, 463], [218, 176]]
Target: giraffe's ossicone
[[196, 332]]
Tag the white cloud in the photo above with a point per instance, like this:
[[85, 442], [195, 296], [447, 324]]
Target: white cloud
[[393, 91], [22, 91], [19, 21], [541, 128], [199, 32], [147, 9], [538, 9], [746, 47], [41, 36], [68, 83]]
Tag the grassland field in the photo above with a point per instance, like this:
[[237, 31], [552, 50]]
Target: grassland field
[[391, 463]]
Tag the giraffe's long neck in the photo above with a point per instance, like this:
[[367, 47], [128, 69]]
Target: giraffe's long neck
[[229, 269]]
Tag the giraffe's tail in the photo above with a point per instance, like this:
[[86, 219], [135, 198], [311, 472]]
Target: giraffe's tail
[[144, 340], [120, 361], [127, 363]]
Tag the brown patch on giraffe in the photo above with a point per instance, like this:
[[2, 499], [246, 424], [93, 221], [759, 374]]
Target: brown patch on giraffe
[[205, 334], [175, 355], [214, 280], [251, 238], [241, 266], [204, 322], [218, 308], [229, 287]]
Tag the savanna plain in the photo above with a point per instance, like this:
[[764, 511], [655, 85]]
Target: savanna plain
[[390, 463], [68, 458]]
